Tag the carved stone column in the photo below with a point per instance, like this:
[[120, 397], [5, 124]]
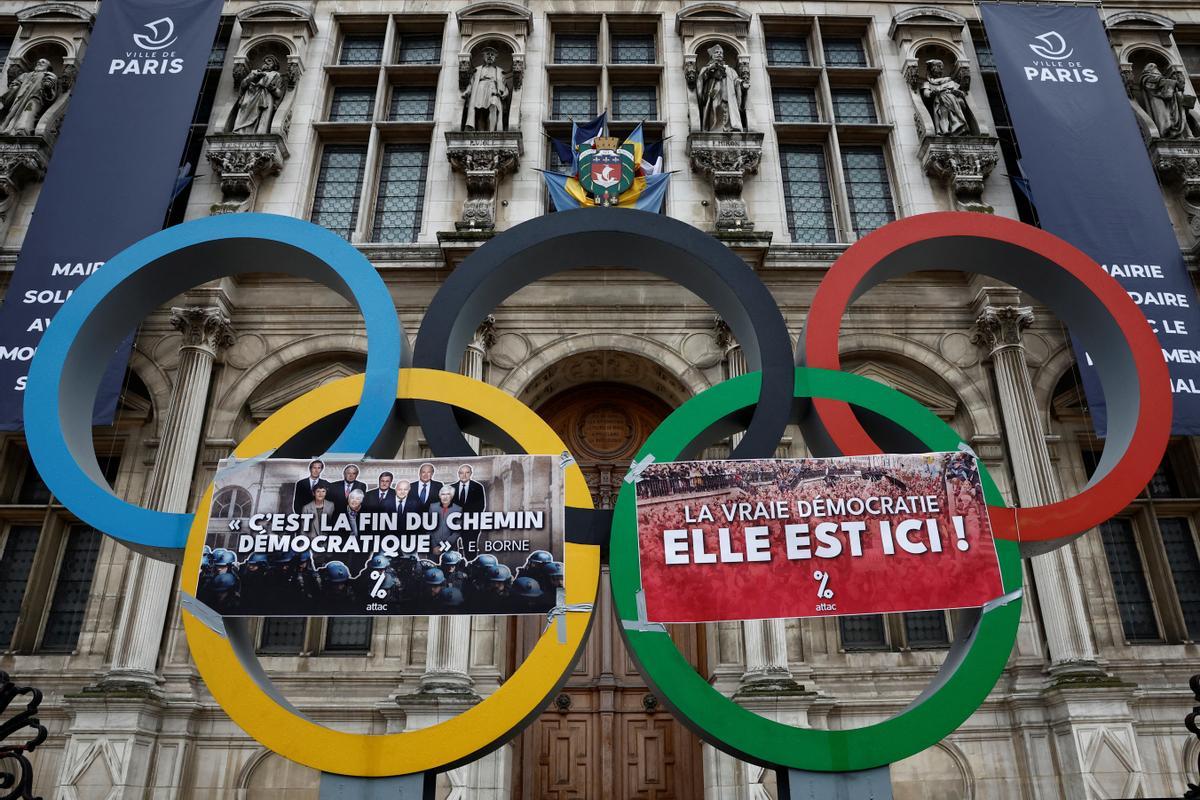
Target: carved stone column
[[241, 161], [1178, 164], [474, 360], [962, 164], [140, 628], [765, 640], [726, 159], [485, 157], [1056, 574]]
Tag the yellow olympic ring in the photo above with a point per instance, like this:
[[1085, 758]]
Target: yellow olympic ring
[[462, 738]]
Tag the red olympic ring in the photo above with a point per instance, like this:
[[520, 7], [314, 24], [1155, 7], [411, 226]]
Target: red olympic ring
[[882, 255]]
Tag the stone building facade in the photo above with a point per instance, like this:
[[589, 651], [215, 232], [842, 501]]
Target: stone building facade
[[365, 136]]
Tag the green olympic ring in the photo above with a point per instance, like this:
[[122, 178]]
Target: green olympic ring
[[971, 669]]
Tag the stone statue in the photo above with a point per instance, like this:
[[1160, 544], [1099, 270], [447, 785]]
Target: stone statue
[[260, 93], [1164, 100], [721, 93], [27, 97], [947, 102], [485, 95]]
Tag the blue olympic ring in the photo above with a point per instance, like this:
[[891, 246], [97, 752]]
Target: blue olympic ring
[[65, 374]]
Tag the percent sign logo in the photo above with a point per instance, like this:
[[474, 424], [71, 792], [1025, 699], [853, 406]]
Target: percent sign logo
[[377, 591], [823, 591]]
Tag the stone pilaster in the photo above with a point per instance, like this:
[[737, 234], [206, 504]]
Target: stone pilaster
[[998, 330], [143, 617]]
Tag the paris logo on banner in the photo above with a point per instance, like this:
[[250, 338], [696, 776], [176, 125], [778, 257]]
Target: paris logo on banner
[[1091, 179], [112, 175]]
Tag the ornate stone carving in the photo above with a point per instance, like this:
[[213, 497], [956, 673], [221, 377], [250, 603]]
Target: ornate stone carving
[[485, 95], [28, 97], [23, 159], [485, 158], [203, 328], [1000, 327], [726, 159], [963, 163], [1163, 96], [1178, 164], [240, 162]]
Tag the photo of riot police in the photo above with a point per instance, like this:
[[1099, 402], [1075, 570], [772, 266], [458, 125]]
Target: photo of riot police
[[461, 570]]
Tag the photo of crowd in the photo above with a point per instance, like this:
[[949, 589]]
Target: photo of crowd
[[459, 572]]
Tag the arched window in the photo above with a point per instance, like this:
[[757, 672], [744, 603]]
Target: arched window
[[230, 502]]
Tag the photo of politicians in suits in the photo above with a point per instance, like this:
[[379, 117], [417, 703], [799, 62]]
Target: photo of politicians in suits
[[492, 528]]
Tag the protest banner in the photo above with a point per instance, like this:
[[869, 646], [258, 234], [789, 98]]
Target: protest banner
[[329, 537], [781, 538]]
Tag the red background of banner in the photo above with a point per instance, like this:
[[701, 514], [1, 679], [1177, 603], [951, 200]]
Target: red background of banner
[[872, 583]]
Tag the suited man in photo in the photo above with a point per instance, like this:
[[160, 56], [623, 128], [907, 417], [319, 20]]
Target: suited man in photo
[[339, 491], [425, 487], [306, 486], [468, 494], [406, 502], [381, 499]]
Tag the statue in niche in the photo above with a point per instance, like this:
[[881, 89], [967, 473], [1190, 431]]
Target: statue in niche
[[947, 102], [485, 95], [1164, 100], [721, 93], [28, 95], [260, 93]]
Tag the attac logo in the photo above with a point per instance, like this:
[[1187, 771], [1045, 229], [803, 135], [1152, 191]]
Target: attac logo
[[1051, 64], [164, 35], [151, 56]]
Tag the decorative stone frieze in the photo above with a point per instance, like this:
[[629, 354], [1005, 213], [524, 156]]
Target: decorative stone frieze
[[485, 157], [241, 162], [726, 159], [963, 164], [1178, 164]]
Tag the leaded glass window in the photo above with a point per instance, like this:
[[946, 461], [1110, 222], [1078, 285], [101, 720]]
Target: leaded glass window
[[795, 104], [574, 49], [15, 563], [983, 51], [867, 188], [787, 51], [352, 104], [854, 106], [71, 589], [633, 49], [1180, 544], [361, 49], [635, 102], [401, 196], [339, 182], [844, 52], [926, 629], [348, 634], [412, 105], [806, 193], [34, 490], [1163, 482], [282, 635], [1129, 581], [578, 102], [863, 632], [216, 56], [422, 49]]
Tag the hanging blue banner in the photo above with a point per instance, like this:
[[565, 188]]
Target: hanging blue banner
[[1091, 178], [112, 176]]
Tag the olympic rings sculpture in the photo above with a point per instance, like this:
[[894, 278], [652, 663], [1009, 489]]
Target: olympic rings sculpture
[[67, 369]]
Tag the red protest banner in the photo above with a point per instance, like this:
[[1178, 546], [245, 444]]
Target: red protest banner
[[779, 538]]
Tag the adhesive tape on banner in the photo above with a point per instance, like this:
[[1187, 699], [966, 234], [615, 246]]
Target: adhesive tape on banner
[[607, 237], [1100, 314], [65, 373], [231, 670], [972, 667]]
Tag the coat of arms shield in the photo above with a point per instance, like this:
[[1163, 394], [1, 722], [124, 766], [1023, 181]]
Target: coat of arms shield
[[604, 168]]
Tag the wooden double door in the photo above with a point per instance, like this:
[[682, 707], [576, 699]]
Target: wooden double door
[[606, 735]]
